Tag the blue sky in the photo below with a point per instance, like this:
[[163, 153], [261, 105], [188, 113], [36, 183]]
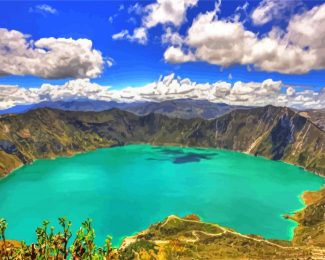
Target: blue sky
[[137, 64]]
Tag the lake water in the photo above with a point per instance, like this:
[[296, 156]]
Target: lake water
[[125, 189]]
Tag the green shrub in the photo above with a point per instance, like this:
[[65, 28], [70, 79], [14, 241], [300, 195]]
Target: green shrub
[[51, 245]]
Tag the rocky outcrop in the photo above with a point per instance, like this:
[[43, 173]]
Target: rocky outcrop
[[274, 132], [311, 220]]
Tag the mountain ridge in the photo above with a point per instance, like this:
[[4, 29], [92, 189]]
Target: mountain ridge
[[277, 133], [186, 108]]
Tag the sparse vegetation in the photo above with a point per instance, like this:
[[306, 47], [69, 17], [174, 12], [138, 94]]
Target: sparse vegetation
[[57, 245]]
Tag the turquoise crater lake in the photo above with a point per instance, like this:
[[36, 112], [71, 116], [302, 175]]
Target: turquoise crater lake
[[125, 189]]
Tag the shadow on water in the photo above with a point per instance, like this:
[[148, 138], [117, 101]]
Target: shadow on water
[[192, 157], [178, 156]]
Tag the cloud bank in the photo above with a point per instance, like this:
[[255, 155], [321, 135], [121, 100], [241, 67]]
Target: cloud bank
[[50, 58], [168, 88]]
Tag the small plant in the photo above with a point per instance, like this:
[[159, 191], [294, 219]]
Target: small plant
[[83, 245], [51, 245], [3, 227], [67, 234]]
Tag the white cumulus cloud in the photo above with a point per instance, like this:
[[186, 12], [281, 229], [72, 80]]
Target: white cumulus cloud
[[307, 30], [167, 11], [164, 12], [225, 42], [48, 57], [177, 55]]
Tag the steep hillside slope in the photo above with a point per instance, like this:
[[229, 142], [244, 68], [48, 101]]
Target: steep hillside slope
[[317, 116], [273, 132], [276, 133]]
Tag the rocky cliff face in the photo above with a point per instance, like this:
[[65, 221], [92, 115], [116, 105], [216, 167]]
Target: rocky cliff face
[[276, 133], [317, 116], [273, 132]]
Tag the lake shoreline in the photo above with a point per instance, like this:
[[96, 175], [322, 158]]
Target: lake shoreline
[[291, 216], [170, 145], [73, 153]]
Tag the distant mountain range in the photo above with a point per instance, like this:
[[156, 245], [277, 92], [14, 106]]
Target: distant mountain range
[[72, 105], [277, 133], [181, 108]]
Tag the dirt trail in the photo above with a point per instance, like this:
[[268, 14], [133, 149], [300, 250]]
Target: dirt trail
[[229, 231]]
